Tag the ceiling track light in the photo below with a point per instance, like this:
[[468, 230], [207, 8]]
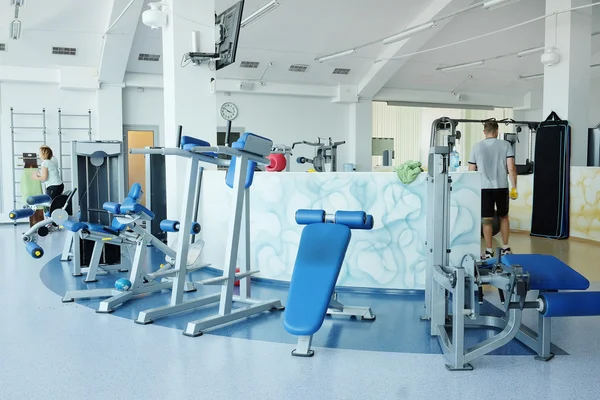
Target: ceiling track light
[[530, 51], [530, 77], [460, 66], [14, 29], [409, 32], [495, 4], [336, 55], [261, 12]]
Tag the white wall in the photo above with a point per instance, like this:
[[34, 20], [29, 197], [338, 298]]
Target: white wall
[[287, 119], [283, 119], [145, 108], [24, 97]]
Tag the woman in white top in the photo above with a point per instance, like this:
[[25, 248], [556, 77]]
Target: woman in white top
[[49, 173]]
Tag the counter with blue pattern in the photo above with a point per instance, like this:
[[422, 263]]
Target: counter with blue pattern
[[390, 256]]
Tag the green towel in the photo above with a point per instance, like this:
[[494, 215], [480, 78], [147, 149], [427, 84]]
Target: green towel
[[409, 171], [29, 186]]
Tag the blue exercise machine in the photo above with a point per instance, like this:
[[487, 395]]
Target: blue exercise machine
[[248, 151], [58, 214], [126, 230], [451, 304], [321, 253]]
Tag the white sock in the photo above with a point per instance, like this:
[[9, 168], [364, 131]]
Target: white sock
[[505, 246], [490, 250]]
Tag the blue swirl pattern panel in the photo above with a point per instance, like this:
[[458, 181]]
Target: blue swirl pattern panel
[[390, 256]]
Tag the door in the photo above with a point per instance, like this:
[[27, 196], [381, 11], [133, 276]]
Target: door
[[136, 162]]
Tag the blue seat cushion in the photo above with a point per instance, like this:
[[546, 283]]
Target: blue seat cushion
[[188, 143], [135, 192], [318, 263], [73, 226], [547, 272]]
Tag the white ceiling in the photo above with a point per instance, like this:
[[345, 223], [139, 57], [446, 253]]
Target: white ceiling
[[299, 31]]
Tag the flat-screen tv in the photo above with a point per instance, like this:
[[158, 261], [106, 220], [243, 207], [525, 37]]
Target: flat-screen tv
[[230, 22]]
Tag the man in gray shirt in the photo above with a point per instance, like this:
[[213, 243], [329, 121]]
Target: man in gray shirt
[[495, 159]]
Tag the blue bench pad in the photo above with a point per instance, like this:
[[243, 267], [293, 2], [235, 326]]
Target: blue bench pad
[[320, 257], [547, 272], [136, 208]]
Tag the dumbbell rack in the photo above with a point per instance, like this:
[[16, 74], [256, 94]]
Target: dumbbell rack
[[24, 132], [62, 118]]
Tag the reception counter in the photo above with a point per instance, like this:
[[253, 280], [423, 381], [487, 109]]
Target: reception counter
[[390, 256], [584, 207]]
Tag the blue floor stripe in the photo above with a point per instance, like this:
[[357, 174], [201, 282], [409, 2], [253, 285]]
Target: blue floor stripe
[[396, 329]]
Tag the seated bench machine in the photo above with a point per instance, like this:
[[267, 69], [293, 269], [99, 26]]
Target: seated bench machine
[[246, 153], [59, 213], [128, 216], [321, 253], [450, 291], [115, 234]]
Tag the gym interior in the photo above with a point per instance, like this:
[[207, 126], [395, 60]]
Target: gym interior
[[269, 199]]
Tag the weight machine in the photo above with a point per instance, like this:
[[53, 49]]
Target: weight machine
[[453, 293], [325, 159]]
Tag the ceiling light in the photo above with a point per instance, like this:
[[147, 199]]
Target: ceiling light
[[530, 51], [336, 55], [495, 4], [156, 16], [530, 77], [261, 12], [460, 66], [19, 3], [409, 32], [14, 29]]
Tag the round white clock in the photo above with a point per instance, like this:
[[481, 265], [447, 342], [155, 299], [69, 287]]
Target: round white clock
[[229, 111]]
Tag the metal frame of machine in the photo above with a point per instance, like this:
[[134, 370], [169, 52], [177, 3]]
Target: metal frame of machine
[[458, 284], [325, 159], [255, 149]]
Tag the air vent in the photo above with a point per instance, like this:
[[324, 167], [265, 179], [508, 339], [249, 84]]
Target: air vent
[[2, 47], [298, 68], [249, 64], [65, 51], [148, 57], [341, 71]]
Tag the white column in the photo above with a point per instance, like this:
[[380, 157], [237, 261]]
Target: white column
[[110, 113], [566, 84], [360, 135], [187, 97]]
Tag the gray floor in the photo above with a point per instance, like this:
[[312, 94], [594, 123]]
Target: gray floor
[[53, 351]]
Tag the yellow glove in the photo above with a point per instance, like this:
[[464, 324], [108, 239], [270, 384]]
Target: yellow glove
[[514, 194]]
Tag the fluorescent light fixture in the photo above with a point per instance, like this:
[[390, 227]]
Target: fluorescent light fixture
[[530, 51], [495, 4], [261, 12], [408, 32], [14, 31], [336, 55], [530, 77], [461, 66]]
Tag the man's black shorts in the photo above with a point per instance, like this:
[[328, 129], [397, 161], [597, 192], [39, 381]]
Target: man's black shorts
[[494, 199]]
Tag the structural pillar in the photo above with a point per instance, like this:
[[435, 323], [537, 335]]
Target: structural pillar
[[110, 113], [361, 134], [566, 84], [188, 100]]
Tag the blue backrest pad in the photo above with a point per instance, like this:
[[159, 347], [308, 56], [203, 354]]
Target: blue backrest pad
[[318, 263]]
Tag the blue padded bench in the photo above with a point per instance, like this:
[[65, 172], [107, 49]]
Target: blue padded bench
[[320, 257]]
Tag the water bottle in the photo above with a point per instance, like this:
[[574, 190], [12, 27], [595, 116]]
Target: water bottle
[[454, 161]]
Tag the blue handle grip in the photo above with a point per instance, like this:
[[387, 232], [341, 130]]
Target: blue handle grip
[[21, 213], [307, 217], [39, 199], [34, 250]]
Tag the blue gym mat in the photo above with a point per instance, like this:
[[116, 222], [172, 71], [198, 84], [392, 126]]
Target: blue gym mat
[[396, 329]]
